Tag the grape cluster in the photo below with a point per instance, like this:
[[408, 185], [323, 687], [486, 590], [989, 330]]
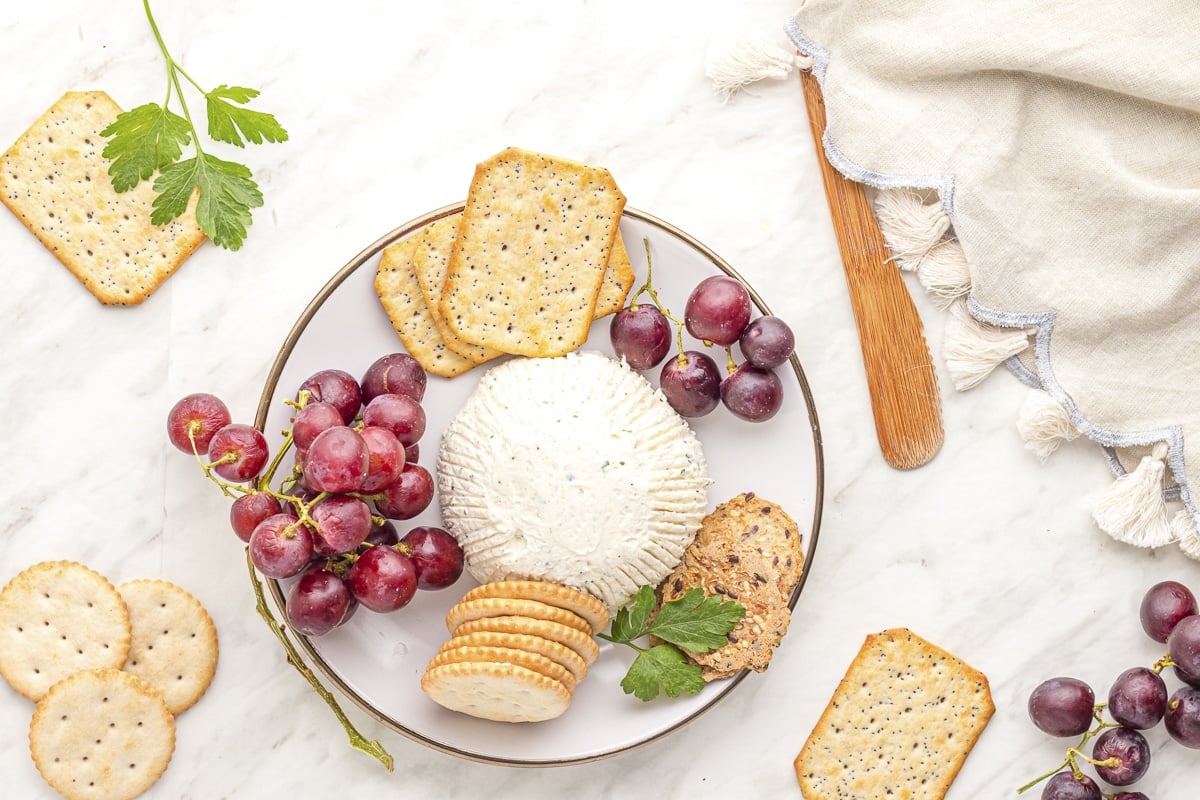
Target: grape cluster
[[717, 312], [329, 521], [1137, 701]]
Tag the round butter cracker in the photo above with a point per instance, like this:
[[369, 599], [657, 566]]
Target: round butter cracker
[[101, 735], [465, 611], [558, 653], [543, 665], [500, 692], [552, 594], [578, 641], [174, 642], [57, 618]]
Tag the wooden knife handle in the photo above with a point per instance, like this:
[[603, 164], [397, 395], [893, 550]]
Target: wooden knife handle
[[900, 374]]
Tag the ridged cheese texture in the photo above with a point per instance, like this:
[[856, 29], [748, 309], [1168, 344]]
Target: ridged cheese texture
[[575, 470]]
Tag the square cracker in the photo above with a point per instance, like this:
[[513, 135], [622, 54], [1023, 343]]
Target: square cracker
[[431, 259], [527, 217], [400, 293], [55, 180], [618, 280], [900, 724]]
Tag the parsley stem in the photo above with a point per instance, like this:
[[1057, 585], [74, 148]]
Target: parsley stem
[[173, 77]]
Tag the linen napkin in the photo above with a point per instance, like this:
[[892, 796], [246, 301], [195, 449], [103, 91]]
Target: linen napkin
[[1039, 165]]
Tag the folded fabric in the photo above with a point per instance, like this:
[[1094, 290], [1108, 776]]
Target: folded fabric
[[1039, 164]]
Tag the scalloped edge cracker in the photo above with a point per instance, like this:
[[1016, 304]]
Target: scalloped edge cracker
[[55, 180], [527, 217], [900, 724], [401, 296], [101, 734], [56, 618]]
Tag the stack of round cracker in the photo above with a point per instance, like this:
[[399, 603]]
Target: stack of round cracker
[[108, 667], [518, 649]]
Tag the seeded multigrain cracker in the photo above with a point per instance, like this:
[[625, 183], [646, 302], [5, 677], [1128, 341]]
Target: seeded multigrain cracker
[[400, 293], [901, 723], [55, 180], [501, 692], [431, 259], [56, 618], [101, 735], [527, 216], [174, 641], [749, 550]]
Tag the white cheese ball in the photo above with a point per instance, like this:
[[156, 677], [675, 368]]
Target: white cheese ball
[[573, 470]]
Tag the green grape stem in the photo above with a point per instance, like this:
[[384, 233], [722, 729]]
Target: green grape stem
[[1076, 752], [359, 742]]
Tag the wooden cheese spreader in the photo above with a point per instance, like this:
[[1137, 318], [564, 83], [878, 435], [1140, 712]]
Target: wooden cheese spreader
[[900, 375]]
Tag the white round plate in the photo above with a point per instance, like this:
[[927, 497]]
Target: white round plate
[[377, 660]]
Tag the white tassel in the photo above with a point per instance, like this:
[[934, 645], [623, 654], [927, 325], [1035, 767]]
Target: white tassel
[[973, 349], [1132, 509], [1043, 424], [747, 58], [1183, 529], [910, 226], [944, 273]]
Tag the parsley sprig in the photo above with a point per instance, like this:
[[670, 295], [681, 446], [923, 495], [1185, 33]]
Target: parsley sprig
[[693, 622], [151, 138]]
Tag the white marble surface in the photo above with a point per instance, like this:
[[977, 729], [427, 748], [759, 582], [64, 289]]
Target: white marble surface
[[389, 106]]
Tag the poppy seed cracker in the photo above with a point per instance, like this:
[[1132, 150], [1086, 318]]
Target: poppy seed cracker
[[900, 724], [55, 180], [530, 255]]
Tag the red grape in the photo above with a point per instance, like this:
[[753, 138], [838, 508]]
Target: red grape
[[752, 394], [318, 602], [338, 461], [640, 335], [385, 534], [717, 310], [399, 414], [1062, 706], [767, 342], [383, 579], [1129, 796], [1183, 716], [201, 415], [1187, 677], [338, 388], [250, 509], [280, 546], [409, 495], [436, 555], [1069, 786], [1131, 750], [1163, 606], [343, 522], [691, 383], [312, 420], [412, 453], [385, 457], [398, 373], [1183, 645], [248, 446], [1138, 698]]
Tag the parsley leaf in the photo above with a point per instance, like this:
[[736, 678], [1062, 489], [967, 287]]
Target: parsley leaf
[[143, 141], [225, 120], [664, 665], [151, 138], [227, 193], [693, 622]]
